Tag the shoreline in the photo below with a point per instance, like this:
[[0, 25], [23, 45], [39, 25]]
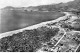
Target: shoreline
[[33, 26]]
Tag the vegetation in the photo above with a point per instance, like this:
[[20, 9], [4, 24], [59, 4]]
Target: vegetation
[[61, 6], [28, 40], [11, 19], [32, 40]]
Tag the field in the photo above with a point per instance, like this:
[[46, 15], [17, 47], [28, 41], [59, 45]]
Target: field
[[17, 19]]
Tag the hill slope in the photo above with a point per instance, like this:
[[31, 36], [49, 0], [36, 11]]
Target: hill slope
[[58, 35]]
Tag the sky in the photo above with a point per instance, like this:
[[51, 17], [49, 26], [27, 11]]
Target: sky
[[26, 3]]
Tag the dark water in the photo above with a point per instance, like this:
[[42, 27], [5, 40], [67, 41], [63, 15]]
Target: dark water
[[17, 19]]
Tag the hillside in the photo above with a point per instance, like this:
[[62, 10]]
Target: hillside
[[61, 6], [46, 28], [58, 35]]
